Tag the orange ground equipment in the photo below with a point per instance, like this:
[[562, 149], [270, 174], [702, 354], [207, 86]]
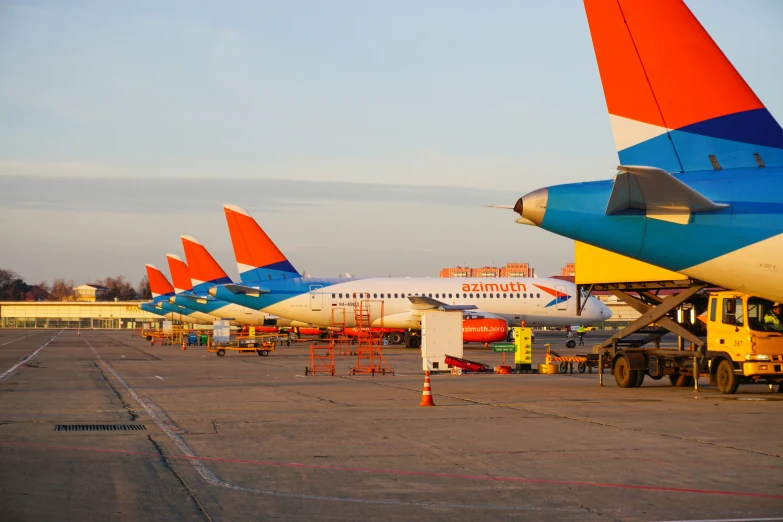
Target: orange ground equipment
[[426, 394], [260, 344], [321, 359], [369, 350]]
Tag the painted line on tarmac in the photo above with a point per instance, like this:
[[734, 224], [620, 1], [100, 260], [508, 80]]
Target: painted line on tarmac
[[730, 520], [29, 357], [162, 420], [25, 337], [429, 474]]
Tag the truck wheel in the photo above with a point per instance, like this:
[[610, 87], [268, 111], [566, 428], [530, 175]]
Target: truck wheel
[[395, 338], [623, 375], [639, 379], [581, 367], [414, 341], [563, 367], [571, 344], [727, 380], [221, 352]]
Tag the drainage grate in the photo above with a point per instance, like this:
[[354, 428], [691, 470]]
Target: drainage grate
[[100, 427]]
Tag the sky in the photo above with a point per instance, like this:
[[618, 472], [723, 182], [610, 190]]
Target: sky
[[365, 137]]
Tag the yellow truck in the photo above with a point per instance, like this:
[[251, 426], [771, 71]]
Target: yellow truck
[[739, 348]]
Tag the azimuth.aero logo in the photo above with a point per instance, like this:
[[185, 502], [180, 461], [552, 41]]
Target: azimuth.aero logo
[[559, 297]]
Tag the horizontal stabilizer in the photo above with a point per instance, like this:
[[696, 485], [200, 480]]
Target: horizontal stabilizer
[[423, 302], [197, 299], [659, 193], [247, 290]]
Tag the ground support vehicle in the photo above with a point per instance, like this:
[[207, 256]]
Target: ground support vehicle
[[263, 345], [736, 347]]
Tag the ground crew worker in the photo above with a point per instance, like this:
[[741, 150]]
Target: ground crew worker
[[772, 319], [580, 332]]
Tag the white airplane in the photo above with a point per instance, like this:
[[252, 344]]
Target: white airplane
[[270, 283]]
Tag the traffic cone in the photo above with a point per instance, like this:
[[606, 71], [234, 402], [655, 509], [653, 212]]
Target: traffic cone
[[426, 394], [78, 333], [183, 344]]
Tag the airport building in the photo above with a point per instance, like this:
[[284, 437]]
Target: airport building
[[69, 314], [510, 270]]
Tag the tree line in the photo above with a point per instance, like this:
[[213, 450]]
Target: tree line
[[14, 288]]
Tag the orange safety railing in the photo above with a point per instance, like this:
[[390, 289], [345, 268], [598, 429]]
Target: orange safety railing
[[370, 357]]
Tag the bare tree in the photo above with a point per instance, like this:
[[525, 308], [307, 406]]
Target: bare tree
[[117, 288], [12, 287], [62, 290], [144, 291]]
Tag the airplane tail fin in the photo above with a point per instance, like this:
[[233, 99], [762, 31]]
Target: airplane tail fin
[[258, 258], [205, 272], [180, 275], [675, 101], [159, 285]]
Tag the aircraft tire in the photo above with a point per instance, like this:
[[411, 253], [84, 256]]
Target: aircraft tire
[[414, 341], [395, 338], [571, 344]]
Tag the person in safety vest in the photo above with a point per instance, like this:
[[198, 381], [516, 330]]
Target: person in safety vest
[[580, 332], [772, 318]]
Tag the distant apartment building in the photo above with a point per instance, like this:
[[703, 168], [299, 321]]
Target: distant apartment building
[[510, 270], [568, 270]]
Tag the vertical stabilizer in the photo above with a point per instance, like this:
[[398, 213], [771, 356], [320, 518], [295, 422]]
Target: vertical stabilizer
[[258, 258], [205, 272], [159, 285], [675, 101], [180, 275]]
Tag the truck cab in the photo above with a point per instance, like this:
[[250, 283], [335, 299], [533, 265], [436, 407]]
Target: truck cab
[[741, 346]]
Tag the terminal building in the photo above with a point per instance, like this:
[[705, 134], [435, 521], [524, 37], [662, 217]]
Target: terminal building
[[70, 314]]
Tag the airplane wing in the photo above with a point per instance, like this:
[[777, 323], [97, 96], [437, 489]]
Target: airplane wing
[[247, 290], [426, 303], [662, 195]]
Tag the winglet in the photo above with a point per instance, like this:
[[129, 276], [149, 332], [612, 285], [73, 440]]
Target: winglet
[[205, 272], [675, 101], [180, 275], [159, 285], [258, 258]]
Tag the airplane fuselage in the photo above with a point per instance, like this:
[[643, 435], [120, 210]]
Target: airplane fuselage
[[537, 301], [738, 247]]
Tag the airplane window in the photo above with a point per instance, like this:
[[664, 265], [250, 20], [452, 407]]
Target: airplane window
[[465, 296], [341, 296], [517, 296], [430, 295], [381, 296], [449, 296], [471, 296], [354, 295], [497, 295], [333, 296], [436, 295], [375, 296], [538, 295], [524, 295], [395, 296], [504, 296], [491, 296], [510, 295], [485, 296]]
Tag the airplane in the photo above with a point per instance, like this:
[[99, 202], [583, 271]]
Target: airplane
[[161, 291], [193, 280], [699, 189], [270, 283]]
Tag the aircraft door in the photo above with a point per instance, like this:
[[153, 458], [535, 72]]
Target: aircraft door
[[562, 303], [316, 298]]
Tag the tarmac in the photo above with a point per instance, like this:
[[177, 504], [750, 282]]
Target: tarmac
[[244, 437]]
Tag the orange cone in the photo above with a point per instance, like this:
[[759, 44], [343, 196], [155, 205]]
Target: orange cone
[[183, 344], [426, 395], [78, 333]]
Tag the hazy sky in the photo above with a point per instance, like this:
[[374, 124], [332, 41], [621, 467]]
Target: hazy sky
[[364, 136]]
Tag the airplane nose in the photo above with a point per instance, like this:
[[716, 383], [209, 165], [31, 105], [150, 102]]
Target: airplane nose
[[606, 314], [532, 206]]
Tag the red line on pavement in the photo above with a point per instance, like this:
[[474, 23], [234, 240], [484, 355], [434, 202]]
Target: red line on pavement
[[395, 471]]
